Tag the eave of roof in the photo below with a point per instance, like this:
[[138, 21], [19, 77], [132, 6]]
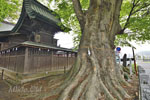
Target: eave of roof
[[40, 45], [34, 44], [4, 33], [34, 10], [20, 21], [8, 23]]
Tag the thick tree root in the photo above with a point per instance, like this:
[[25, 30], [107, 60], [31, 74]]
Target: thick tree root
[[89, 84], [95, 75]]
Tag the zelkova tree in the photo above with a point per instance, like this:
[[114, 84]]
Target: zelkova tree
[[95, 75]]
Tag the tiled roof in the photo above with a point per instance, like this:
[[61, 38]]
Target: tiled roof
[[30, 43], [39, 45], [36, 10]]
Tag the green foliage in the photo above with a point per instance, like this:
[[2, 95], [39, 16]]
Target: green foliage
[[138, 26], [85, 4], [133, 68], [66, 12], [8, 9], [126, 77], [126, 69]]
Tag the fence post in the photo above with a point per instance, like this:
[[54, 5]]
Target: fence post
[[64, 69], [130, 66], [67, 59], [134, 62], [125, 60], [26, 62], [140, 91], [52, 59], [2, 74]]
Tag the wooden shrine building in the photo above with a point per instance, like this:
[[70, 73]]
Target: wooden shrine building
[[30, 46]]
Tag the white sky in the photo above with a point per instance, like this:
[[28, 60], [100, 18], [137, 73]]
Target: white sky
[[66, 40], [139, 48]]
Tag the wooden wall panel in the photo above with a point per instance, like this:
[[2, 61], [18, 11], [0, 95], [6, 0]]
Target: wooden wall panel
[[37, 60]]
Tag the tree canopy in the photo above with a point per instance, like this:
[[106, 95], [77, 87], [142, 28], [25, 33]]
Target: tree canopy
[[134, 18], [9, 9]]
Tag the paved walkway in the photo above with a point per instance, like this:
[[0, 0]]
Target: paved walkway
[[144, 64], [144, 77]]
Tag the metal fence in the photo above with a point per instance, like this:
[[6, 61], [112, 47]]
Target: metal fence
[[144, 84]]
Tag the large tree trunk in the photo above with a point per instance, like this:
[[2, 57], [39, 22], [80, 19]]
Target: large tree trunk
[[94, 75]]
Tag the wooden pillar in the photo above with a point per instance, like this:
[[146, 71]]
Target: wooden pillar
[[134, 61], [35, 60], [52, 59], [15, 67], [58, 62], [0, 59], [67, 59], [9, 60], [76, 54], [2, 74], [4, 59], [64, 63], [39, 60], [0, 46], [26, 62]]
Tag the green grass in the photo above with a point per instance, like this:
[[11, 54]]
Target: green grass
[[147, 62], [133, 68]]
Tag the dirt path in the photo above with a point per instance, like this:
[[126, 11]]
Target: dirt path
[[134, 88], [4, 92], [34, 90], [48, 84]]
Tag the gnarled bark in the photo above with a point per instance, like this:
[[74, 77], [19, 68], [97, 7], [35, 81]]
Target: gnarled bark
[[95, 76]]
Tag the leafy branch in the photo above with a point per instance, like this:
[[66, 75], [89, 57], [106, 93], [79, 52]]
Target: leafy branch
[[134, 4], [146, 5]]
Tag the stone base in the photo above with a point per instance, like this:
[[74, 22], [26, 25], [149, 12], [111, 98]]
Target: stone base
[[19, 78]]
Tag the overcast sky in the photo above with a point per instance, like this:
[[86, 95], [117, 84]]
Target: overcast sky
[[139, 48], [66, 40]]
